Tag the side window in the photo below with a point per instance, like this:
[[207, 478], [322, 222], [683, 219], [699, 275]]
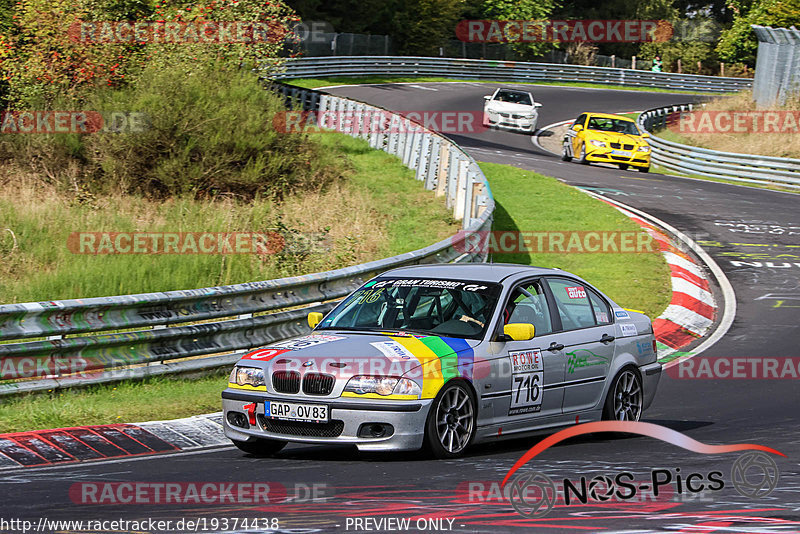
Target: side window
[[579, 121], [527, 304], [574, 307], [602, 313]]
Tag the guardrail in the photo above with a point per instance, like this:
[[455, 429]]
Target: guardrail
[[314, 67], [160, 328], [711, 163]]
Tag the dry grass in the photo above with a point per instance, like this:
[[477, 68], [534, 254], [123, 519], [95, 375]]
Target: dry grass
[[356, 219], [784, 145]]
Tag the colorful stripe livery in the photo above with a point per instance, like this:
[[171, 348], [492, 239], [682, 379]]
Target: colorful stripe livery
[[442, 358]]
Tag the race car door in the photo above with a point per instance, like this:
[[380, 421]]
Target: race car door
[[535, 367], [589, 347]]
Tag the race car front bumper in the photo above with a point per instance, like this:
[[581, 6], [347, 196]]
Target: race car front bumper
[[371, 425], [507, 120], [605, 155]]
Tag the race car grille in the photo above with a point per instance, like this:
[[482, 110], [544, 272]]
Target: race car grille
[[286, 381], [318, 384], [618, 145], [331, 429], [621, 158]]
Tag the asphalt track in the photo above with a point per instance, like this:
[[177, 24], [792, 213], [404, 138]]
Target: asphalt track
[[732, 222]]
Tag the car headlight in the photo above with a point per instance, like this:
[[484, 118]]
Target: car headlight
[[643, 149], [595, 142], [382, 385], [491, 110], [247, 376]]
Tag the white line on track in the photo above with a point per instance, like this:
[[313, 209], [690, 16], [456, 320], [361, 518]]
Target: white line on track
[[728, 294]]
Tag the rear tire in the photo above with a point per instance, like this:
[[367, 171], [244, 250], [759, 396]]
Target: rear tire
[[450, 427], [582, 157], [644, 169], [260, 447], [625, 399]]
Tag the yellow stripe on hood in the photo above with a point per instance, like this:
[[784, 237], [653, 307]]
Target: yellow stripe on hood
[[432, 379]]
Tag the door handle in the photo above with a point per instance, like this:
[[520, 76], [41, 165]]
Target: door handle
[[607, 339], [555, 347]]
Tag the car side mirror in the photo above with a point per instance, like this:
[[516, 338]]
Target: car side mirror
[[537, 104], [487, 97], [314, 318], [577, 127], [519, 331], [645, 135]]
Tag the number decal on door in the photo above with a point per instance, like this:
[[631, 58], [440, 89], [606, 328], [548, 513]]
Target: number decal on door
[[527, 368]]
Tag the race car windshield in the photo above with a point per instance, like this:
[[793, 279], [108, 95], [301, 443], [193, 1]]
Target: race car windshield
[[514, 98], [452, 308], [613, 125]]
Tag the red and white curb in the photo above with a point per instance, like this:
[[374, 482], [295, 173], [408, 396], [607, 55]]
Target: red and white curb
[[693, 309], [42, 448]]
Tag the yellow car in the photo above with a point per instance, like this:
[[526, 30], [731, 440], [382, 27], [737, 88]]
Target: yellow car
[[606, 138]]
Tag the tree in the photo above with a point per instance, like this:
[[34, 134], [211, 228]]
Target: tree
[[422, 26], [739, 43]]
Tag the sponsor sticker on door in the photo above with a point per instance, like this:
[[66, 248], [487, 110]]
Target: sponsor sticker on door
[[527, 368]]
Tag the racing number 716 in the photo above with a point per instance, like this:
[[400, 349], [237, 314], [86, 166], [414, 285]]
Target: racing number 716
[[530, 383]]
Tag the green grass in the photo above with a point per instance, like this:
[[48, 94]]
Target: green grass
[[530, 202], [525, 202], [313, 83], [126, 402], [364, 219]]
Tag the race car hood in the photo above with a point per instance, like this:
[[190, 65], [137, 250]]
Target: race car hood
[[614, 137], [346, 354], [509, 107]]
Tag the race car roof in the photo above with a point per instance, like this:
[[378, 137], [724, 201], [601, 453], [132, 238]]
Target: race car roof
[[483, 272], [611, 116]]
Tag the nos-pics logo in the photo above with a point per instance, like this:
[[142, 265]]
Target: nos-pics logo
[[533, 494]]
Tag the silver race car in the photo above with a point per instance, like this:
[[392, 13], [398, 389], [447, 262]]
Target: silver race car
[[444, 356]]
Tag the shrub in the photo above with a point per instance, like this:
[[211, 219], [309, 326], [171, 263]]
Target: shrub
[[208, 132]]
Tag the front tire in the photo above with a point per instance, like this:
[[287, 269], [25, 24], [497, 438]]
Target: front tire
[[644, 169], [450, 427], [623, 166], [260, 447], [582, 157], [625, 398], [565, 153]]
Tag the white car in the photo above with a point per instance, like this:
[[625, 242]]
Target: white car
[[510, 108]]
